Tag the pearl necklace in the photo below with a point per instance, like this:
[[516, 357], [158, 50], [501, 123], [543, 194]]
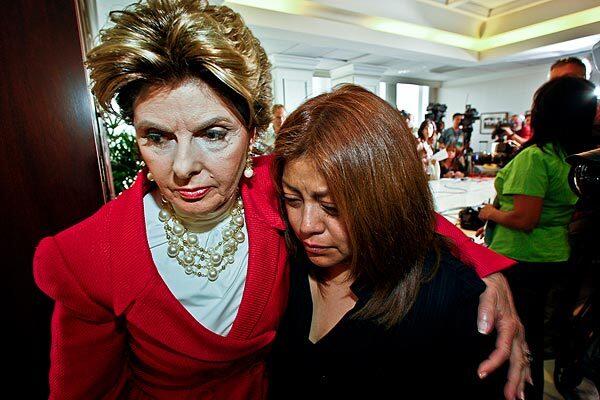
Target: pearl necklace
[[196, 260]]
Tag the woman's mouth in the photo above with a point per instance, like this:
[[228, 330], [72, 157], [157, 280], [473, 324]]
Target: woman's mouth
[[194, 193], [316, 249]]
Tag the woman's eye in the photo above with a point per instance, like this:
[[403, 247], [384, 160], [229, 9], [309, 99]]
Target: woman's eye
[[215, 134], [154, 136], [291, 201], [331, 210]]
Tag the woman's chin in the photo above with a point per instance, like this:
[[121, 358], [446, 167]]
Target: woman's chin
[[321, 261]]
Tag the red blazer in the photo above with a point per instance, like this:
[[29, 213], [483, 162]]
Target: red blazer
[[117, 330]]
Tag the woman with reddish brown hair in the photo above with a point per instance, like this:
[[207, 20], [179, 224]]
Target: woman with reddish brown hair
[[378, 304]]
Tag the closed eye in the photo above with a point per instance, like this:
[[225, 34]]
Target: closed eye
[[291, 201], [331, 210]]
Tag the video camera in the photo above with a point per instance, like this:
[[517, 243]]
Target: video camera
[[469, 117], [584, 176], [436, 112]]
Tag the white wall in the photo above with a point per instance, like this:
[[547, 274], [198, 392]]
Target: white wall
[[502, 92]]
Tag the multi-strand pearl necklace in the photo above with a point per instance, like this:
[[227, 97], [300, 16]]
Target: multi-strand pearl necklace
[[196, 260]]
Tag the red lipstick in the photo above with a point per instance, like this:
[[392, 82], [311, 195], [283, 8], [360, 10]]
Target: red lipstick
[[194, 193]]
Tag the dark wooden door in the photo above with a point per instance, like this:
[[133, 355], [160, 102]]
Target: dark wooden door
[[49, 168]]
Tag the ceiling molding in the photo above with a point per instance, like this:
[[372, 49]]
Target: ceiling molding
[[559, 37], [455, 3], [543, 69], [444, 6], [293, 62], [358, 69], [534, 31], [473, 9], [515, 6]]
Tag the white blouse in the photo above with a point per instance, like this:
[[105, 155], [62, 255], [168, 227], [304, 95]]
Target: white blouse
[[212, 304]]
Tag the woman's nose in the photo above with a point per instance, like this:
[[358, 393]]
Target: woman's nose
[[186, 163], [312, 222]]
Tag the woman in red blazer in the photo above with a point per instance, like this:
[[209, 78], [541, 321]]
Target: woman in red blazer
[[195, 84]]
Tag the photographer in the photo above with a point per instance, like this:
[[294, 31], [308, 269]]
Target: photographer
[[519, 134], [505, 145], [453, 135]]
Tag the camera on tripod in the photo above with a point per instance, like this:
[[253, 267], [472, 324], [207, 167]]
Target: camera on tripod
[[469, 117], [436, 112]]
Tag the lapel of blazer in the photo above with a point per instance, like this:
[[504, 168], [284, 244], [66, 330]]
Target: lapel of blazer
[[265, 234], [130, 264]]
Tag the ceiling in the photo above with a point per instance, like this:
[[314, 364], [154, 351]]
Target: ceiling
[[432, 40], [485, 9]]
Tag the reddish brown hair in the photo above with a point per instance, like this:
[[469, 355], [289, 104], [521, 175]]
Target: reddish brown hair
[[366, 153]]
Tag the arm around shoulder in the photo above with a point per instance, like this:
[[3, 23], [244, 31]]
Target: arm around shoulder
[[484, 260]]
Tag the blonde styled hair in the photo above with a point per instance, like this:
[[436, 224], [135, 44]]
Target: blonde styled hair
[[167, 41]]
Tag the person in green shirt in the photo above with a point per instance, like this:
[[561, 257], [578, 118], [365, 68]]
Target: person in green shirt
[[535, 204]]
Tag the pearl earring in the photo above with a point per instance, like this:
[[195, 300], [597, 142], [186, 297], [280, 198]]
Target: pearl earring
[[248, 171], [150, 177]]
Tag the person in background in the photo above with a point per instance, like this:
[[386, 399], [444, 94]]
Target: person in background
[[278, 111], [519, 133], [425, 135], [454, 166], [441, 126], [410, 121], [378, 305], [568, 66], [503, 148], [524, 134], [514, 136], [453, 135], [516, 122], [536, 204]]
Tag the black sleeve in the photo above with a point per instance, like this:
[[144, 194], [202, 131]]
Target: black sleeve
[[471, 347]]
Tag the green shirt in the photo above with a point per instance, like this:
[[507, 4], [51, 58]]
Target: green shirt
[[538, 173]]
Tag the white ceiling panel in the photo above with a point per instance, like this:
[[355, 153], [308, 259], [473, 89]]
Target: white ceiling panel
[[374, 59], [277, 46], [327, 64], [306, 50], [341, 54]]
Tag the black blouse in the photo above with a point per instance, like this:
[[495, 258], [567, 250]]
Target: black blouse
[[432, 354]]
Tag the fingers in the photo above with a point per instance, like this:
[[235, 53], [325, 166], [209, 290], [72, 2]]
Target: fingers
[[527, 374], [526, 371], [526, 377], [486, 311], [514, 387], [504, 348], [495, 360]]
